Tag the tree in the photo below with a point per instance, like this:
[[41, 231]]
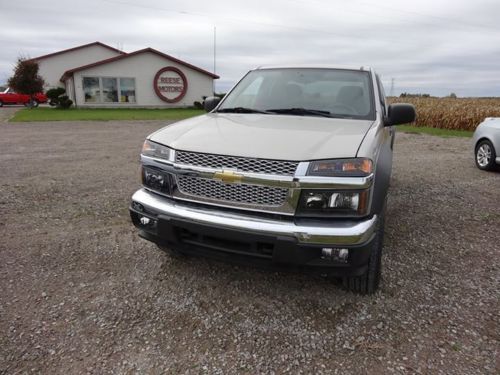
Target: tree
[[26, 79]]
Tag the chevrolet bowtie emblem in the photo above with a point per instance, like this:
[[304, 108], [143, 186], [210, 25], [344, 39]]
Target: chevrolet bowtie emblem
[[228, 177]]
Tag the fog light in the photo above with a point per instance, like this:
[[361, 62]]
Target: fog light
[[343, 254], [145, 220], [335, 254]]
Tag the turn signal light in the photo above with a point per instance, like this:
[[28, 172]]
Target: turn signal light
[[358, 167]]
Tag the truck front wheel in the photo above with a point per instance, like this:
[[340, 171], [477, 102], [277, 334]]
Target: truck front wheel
[[368, 282]]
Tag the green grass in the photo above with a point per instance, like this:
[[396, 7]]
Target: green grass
[[107, 114], [434, 131], [103, 114]]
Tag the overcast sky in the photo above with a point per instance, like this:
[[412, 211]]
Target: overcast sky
[[426, 46]]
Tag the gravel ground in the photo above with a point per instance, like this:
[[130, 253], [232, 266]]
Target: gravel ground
[[6, 112], [80, 292]]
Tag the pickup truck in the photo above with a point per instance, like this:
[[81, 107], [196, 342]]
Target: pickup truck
[[9, 96], [290, 169]]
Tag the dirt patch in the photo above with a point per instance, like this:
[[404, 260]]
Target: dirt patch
[[82, 293]]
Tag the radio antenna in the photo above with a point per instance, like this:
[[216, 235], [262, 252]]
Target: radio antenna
[[215, 57]]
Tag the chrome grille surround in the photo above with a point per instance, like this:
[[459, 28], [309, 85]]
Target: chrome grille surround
[[243, 164], [292, 184], [243, 194]]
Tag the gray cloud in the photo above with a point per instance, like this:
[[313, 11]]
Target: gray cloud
[[425, 46]]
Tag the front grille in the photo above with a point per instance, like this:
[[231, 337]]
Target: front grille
[[235, 193], [267, 166]]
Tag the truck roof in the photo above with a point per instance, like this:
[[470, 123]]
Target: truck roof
[[315, 66]]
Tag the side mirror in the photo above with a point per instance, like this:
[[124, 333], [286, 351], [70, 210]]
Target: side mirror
[[400, 113], [210, 103]]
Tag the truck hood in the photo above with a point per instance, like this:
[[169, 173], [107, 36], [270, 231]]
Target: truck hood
[[281, 137]]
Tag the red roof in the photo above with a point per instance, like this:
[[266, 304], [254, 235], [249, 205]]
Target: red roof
[[70, 72], [80, 47]]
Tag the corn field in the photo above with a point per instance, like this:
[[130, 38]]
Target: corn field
[[452, 113]]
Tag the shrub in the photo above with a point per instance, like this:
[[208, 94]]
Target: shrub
[[53, 95], [64, 102], [198, 105]]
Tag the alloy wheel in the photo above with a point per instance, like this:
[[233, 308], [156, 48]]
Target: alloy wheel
[[483, 155]]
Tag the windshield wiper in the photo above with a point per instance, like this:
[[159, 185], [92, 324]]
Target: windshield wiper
[[304, 111], [242, 110]]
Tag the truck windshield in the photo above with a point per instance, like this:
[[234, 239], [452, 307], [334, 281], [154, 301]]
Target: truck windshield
[[303, 92]]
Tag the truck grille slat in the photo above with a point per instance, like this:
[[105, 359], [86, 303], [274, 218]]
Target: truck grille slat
[[234, 193], [243, 164]]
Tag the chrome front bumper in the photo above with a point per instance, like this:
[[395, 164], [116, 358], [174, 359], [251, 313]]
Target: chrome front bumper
[[346, 232]]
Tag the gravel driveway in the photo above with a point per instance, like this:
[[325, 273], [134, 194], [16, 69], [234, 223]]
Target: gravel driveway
[[80, 292]]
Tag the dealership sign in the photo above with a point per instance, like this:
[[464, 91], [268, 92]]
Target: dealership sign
[[170, 84]]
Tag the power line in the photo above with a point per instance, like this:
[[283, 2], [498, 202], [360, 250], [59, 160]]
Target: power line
[[427, 15], [458, 23], [240, 21]]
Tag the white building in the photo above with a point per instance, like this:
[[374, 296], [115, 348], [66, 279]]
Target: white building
[[97, 75]]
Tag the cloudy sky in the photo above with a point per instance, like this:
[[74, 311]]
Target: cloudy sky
[[431, 46]]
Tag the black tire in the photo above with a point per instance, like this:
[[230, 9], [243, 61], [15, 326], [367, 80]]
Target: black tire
[[368, 282], [171, 252], [1, 103], [485, 155], [32, 104]]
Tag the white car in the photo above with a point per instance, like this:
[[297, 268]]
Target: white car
[[487, 144]]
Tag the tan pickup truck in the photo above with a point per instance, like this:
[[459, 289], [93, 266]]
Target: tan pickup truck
[[289, 170]]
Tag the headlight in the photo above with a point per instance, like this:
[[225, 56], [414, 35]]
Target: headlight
[[156, 150], [358, 167], [156, 179], [333, 203]]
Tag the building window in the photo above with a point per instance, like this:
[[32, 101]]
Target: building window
[[109, 90], [127, 90], [91, 89]]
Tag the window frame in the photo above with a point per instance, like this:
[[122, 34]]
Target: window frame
[[382, 96], [371, 116], [118, 88]]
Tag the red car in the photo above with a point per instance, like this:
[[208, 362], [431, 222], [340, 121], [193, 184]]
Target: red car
[[11, 97]]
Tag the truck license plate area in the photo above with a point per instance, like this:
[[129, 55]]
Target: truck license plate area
[[190, 235], [213, 242]]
